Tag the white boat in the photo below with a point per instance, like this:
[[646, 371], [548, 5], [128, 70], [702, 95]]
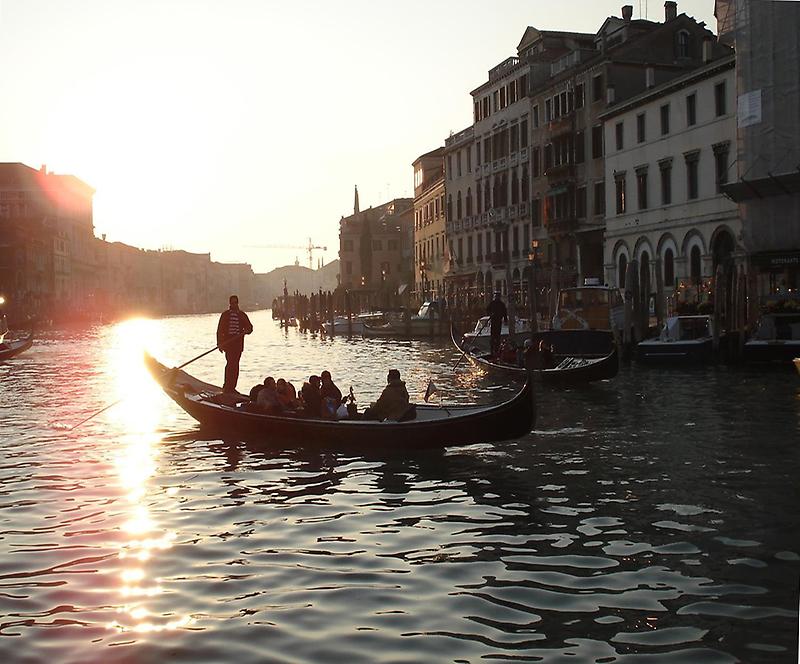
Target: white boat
[[343, 325], [480, 337], [430, 321], [682, 339]]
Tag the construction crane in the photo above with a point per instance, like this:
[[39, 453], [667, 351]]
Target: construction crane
[[310, 248]]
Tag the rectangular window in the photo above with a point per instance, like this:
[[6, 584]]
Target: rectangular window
[[495, 101], [514, 137], [536, 212], [556, 107], [599, 197], [460, 255], [692, 184], [523, 133], [691, 110], [515, 240], [579, 95], [469, 159], [480, 246], [597, 141], [458, 159], [477, 111], [619, 135], [526, 237], [393, 245], [619, 182], [536, 162], [548, 157], [449, 167], [503, 103], [469, 249], [597, 87], [548, 110], [377, 245], [536, 116], [640, 128], [487, 150], [720, 106], [641, 188], [580, 202], [580, 148], [665, 119], [721, 165], [666, 182], [347, 245]]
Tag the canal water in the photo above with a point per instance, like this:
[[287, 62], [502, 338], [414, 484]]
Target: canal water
[[652, 518]]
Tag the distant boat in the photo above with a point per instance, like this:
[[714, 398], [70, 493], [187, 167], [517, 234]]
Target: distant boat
[[9, 349], [595, 357], [426, 427], [343, 325], [683, 339], [429, 321], [776, 338]]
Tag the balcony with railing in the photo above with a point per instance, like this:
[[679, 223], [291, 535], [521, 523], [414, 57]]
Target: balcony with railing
[[499, 258], [559, 172], [503, 68], [562, 226]]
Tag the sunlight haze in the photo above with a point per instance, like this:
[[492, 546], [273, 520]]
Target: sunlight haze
[[211, 126]]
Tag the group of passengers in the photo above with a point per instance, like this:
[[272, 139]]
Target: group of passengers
[[320, 398]]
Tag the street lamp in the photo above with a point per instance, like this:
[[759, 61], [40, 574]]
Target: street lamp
[[532, 285]]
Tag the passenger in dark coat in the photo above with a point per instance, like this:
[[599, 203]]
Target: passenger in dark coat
[[393, 402], [497, 313], [312, 399], [233, 325]]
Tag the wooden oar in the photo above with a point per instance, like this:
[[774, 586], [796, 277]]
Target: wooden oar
[[185, 364], [463, 353]]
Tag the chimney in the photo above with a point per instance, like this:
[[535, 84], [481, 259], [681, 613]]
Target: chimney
[[670, 11], [43, 169], [650, 77], [611, 96], [627, 13], [708, 49]]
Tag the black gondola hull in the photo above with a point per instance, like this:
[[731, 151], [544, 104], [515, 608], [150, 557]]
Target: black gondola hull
[[14, 348], [433, 427]]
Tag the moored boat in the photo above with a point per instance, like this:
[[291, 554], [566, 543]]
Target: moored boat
[[431, 427], [480, 337], [682, 339], [355, 325], [776, 338], [429, 321]]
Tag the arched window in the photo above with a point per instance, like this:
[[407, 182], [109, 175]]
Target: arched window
[[469, 201], [458, 206], [644, 271], [623, 266], [669, 269], [695, 267]]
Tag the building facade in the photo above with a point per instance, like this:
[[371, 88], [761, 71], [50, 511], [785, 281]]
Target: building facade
[[376, 249], [669, 153], [431, 255]]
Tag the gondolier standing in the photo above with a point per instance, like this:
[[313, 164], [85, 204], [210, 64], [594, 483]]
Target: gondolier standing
[[497, 314], [233, 325]]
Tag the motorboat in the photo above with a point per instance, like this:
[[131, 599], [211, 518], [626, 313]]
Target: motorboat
[[589, 307], [480, 337], [682, 339], [429, 321], [775, 339], [353, 325]]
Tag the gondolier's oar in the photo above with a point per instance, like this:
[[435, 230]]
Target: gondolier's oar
[[463, 352], [185, 364]]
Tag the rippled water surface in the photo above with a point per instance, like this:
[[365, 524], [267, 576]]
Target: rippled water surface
[[652, 518]]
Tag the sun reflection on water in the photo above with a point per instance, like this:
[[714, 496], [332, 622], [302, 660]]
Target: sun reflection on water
[[137, 417]]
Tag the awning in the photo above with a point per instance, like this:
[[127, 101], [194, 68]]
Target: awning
[[764, 187]]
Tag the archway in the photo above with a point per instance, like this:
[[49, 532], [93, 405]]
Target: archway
[[621, 269]]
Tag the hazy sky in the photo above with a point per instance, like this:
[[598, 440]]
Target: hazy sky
[[212, 125]]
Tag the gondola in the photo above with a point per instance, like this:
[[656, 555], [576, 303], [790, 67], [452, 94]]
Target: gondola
[[570, 370], [9, 349], [431, 427]]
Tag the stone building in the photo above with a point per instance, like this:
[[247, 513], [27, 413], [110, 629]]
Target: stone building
[[534, 163], [669, 152], [431, 255], [376, 248]]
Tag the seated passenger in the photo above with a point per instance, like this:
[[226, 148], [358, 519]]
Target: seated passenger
[[330, 394], [311, 398], [268, 398], [393, 402], [286, 396]]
